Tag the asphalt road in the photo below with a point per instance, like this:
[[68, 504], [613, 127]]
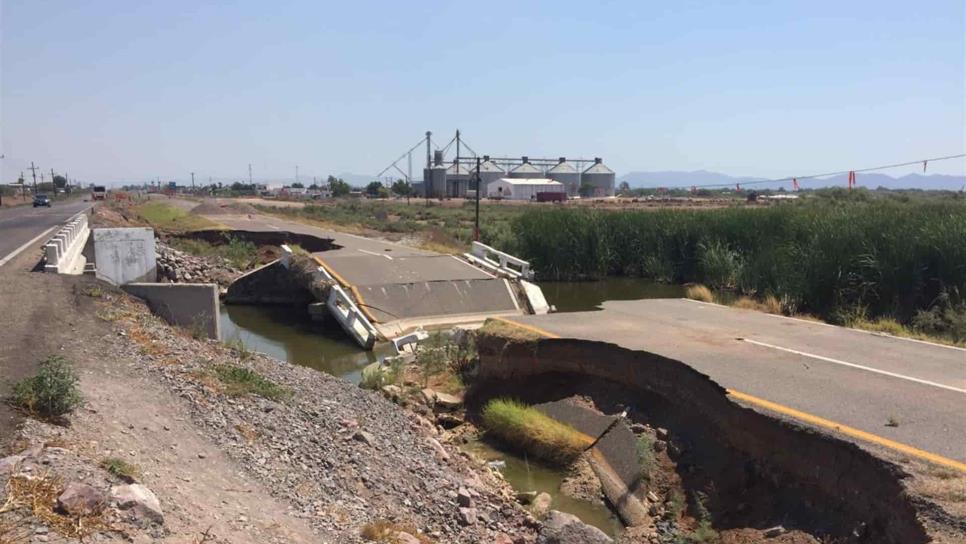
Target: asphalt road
[[849, 377], [398, 284], [21, 224]]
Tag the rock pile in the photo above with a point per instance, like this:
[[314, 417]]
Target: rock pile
[[179, 267]]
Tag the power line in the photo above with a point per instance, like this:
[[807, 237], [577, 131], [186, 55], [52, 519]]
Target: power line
[[829, 174]]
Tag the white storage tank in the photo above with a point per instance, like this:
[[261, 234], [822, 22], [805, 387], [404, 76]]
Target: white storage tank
[[525, 170], [600, 178], [489, 172], [566, 173]]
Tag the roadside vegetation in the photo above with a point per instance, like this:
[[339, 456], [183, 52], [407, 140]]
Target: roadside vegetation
[[52, 392], [240, 253], [526, 428], [238, 381], [845, 260], [121, 469], [440, 226], [168, 218]]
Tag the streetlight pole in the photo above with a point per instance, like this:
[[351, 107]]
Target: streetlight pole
[[476, 236]]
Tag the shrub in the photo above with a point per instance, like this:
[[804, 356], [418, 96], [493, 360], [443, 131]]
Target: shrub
[[699, 292], [242, 381], [52, 392], [534, 432], [121, 468]]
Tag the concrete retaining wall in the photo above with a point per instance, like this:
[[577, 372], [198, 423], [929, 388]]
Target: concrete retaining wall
[[125, 255], [188, 305], [64, 251]]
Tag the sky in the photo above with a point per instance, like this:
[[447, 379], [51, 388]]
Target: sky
[[113, 91]]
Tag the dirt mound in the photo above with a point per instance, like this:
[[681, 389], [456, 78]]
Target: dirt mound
[[210, 207]]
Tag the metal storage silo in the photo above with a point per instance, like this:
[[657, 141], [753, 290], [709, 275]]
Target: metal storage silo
[[457, 180], [600, 178], [489, 172], [434, 178], [525, 170], [565, 173]]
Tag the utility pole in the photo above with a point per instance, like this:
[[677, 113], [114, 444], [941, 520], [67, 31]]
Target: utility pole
[[1, 182], [249, 173], [296, 173], [476, 235], [192, 182], [33, 172], [52, 186], [458, 152], [429, 165]]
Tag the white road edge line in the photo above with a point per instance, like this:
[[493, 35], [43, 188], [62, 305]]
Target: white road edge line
[[20, 249], [853, 365], [375, 254], [813, 322], [463, 261]]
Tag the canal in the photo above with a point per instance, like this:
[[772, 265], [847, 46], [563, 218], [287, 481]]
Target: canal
[[288, 334]]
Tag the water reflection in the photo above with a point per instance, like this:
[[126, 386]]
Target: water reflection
[[288, 334], [572, 296]]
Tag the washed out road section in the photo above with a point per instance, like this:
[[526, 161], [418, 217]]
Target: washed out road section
[[711, 339]]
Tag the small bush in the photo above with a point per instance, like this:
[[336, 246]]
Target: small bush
[[645, 455], [240, 381], [52, 392], [121, 469], [719, 265], [699, 292], [238, 345], [377, 375], [388, 531], [534, 432]]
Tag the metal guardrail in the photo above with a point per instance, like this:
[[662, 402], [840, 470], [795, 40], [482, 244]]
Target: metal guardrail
[[63, 252], [499, 261]]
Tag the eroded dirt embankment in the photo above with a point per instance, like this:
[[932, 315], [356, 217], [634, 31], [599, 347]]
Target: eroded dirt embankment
[[754, 470]]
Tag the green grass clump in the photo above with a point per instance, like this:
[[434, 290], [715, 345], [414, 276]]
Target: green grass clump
[[121, 468], [240, 381], [52, 392], [534, 432], [171, 218]]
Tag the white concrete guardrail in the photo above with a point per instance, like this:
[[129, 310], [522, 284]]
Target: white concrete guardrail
[[64, 252], [499, 262], [341, 306]]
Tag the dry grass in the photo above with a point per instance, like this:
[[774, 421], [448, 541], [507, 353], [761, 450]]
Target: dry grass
[[770, 304], [145, 342], [248, 433], [699, 292], [499, 327], [38, 496], [121, 469], [387, 531], [888, 325]]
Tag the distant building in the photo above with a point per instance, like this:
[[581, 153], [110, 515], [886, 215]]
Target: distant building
[[523, 188]]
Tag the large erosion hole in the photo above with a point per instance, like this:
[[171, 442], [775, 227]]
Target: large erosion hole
[[752, 470], [307, 242]]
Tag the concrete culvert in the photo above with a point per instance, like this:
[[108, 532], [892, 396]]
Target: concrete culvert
[[714, 469]]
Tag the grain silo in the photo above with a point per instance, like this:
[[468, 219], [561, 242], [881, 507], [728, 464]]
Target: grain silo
[[525, 170], [565, 173], [434, 178], [489, 172], [599, 178], [457, 180]]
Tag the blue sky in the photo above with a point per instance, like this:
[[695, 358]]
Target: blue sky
[[133, 90]]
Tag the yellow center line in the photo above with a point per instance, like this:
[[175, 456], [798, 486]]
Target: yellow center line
[[805, 417], [355, 291]]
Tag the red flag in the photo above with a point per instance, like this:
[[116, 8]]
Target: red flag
[[924, 166], [738, 186], [794, 184], [851, 179]]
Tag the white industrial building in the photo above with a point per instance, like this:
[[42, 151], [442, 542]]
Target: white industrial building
[[523, 188]]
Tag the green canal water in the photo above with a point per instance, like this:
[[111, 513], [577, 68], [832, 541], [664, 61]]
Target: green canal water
[[288, 334]]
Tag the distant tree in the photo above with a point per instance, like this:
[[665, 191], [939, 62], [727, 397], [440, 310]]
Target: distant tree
[[402, 188], [298, 185], [338, 187], [60, 182], [373, 188], [314, 187], [586, 190], [624, 188]]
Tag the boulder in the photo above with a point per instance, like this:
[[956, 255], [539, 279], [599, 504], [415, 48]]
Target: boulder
[[140, 500], [400, 537], [526, 497], [79, 499], [446, 401], [467, 516], [561, 528], [464, 498], [541, 504], [364, 437]]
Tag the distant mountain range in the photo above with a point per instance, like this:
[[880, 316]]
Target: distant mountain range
[[871, 180]]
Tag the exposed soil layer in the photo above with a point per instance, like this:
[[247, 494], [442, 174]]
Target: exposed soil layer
[[748, 469], [262, 238]]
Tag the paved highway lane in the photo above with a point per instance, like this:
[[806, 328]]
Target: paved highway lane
[[22, 224], [848, 377]]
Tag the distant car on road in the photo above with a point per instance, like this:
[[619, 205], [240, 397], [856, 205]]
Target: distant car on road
[[41, 200], [98, 192]]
